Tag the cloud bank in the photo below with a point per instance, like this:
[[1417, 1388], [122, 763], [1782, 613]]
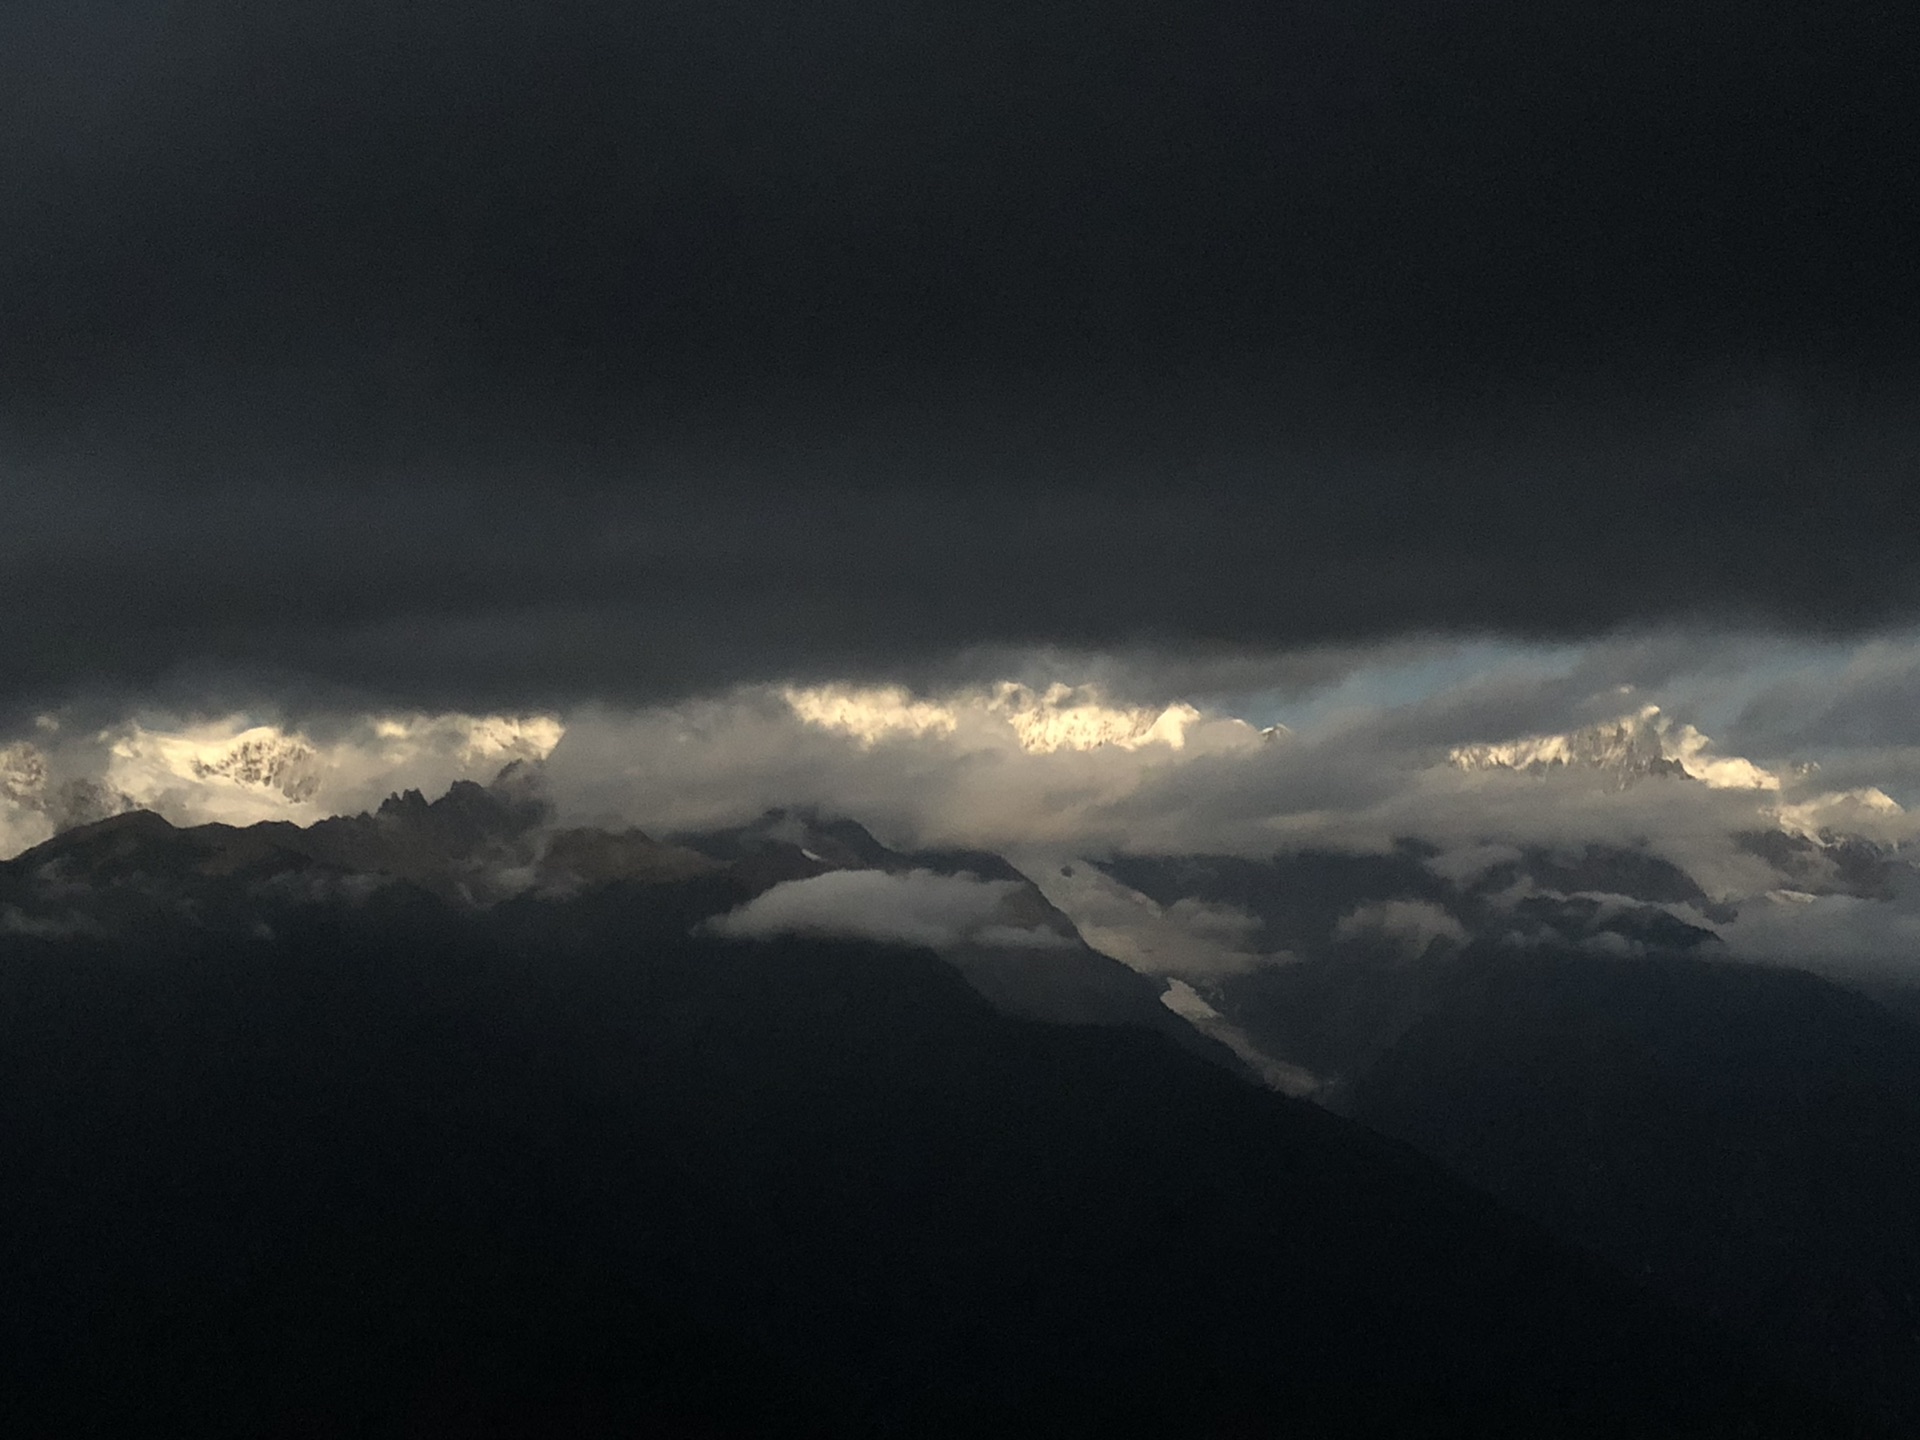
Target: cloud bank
[[1689, 748]]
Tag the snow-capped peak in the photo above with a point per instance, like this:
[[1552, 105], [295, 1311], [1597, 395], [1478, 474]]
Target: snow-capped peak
[[1630, 747], [1076, 718], [266, 758]]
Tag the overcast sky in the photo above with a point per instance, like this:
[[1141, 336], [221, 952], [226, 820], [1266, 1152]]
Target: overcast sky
[[482, 354]]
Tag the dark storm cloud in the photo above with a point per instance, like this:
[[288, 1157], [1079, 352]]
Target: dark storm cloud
[[1874, 701], [482, 351]]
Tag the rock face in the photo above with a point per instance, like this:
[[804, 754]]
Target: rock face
[[586, 858], [276, 762]]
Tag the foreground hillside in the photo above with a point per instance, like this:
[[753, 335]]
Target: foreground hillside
[[1745, 1140], [391, 1167]]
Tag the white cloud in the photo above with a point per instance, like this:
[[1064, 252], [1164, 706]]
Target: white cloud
[[957, 771], [1838, 934], [1861, 697], [870, 714], [917, 908], [1001, 767], [1470, 862], [1868, 812], [1190, 937], [1410, 926], [1039, 721]]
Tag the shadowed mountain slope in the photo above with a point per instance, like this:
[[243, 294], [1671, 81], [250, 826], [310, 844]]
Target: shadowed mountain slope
[[404, 1168], [1746, 1140], [478, 845]]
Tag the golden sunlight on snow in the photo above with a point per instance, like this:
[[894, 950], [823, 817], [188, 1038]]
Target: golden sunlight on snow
[[237, 772], [1643, 743]]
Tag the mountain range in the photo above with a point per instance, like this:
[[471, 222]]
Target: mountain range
[[181, 987]]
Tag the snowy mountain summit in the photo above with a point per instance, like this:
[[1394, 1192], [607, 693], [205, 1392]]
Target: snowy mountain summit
[[266, 758], [1632, 747]]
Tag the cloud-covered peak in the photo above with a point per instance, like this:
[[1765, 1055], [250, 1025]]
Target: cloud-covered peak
[[1076, 718], [1869, 813], [38, 800]]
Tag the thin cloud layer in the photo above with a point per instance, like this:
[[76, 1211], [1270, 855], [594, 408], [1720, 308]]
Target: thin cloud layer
[[916, 908], [1410, 926], [1835, 934], [1189, 939]]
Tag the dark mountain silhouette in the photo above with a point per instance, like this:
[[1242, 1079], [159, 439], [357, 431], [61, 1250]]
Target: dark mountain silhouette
[[405, 1167], [1740, 1138], [1832, 865], [477, 845], [1067, 983], [1343, 998], [1299, 897], [1745, 1140], [440, 1119]]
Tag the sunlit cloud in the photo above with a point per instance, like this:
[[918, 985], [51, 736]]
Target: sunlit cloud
[[1041, 721]]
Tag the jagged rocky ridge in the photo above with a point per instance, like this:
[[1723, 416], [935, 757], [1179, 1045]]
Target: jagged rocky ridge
[[480, 845]]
